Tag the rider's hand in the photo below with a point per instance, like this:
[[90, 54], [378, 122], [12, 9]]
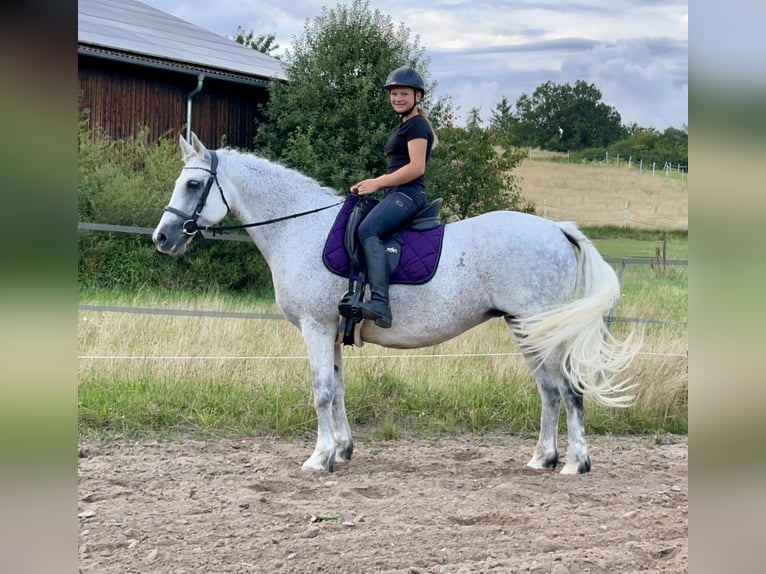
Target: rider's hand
[[366, 186]]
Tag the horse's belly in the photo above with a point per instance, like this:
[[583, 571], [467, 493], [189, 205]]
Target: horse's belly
[[423, 327]]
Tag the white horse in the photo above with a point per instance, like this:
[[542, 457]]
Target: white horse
[[545, 279]]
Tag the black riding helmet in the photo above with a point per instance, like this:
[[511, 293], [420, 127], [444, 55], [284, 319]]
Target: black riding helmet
[[409, 78]]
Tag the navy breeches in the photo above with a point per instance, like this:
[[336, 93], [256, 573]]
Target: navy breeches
[[399, 205]]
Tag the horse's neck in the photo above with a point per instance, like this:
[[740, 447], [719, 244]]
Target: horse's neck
[[268, 188], [268, 191]]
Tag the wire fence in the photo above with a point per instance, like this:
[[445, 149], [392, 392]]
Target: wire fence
[[664, 169], [623, 217]]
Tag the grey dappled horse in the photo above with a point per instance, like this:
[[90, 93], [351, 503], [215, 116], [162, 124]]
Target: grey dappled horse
[[545, 279]]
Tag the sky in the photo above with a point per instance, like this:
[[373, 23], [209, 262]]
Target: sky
[[481, 51]]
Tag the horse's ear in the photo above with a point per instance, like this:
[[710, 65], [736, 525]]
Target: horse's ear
[[198, 147], [186, 149]]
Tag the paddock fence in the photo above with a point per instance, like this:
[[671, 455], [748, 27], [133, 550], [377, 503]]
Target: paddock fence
[[621, 262], [666, 169]]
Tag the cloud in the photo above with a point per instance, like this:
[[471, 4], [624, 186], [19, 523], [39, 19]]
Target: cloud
[[646, 80], [635, 53]]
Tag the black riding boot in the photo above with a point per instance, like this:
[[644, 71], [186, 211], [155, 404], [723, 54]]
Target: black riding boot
[[377, 275]]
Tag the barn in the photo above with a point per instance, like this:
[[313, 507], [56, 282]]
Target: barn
[[142, 68]]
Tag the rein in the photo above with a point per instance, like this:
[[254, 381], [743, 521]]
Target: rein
[[190, 226]]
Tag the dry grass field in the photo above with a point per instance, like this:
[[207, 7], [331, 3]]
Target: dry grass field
[[593, 195]]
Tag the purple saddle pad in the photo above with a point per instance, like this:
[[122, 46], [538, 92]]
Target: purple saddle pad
[[419, 257]]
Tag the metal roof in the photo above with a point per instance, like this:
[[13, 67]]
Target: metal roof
[[133, 31]]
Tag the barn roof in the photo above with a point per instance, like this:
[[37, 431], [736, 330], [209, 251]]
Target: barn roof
[[129, 30]]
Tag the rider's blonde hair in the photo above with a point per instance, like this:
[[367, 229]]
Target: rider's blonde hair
[[423, 112]]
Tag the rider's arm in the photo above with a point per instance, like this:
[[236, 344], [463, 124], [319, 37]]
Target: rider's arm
[[405, 174]]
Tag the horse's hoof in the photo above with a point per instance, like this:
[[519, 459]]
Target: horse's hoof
[[311, 466], [544, 463], [577, 467], [315, 463], [344, 454]]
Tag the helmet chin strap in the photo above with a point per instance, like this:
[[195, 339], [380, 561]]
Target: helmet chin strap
[[408, 112]]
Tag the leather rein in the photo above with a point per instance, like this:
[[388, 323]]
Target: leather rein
[[190, 226]]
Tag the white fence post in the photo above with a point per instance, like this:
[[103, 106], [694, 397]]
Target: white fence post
[[625, 217]]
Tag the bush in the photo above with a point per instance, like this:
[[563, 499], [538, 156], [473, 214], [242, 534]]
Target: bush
[[128, 182]]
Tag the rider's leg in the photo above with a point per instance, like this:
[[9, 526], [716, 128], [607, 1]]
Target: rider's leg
[[392, 211]]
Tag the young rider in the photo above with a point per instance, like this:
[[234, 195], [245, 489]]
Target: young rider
[[408, 151]]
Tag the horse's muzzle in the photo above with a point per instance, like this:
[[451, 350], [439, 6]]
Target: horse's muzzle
[[166, 245]]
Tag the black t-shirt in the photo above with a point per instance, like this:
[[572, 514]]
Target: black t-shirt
[[398, 154]]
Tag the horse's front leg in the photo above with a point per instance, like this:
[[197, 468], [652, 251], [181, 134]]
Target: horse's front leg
[[328, 397], [344, 445]]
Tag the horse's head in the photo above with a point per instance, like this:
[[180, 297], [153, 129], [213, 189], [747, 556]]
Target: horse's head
[[197, 199]]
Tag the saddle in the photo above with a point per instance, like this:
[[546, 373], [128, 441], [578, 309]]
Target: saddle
[[412, 252]]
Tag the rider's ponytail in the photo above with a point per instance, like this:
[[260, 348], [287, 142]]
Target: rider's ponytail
[[423, 112]]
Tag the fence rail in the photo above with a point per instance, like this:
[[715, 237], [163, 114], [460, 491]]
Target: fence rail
[[623, 262]]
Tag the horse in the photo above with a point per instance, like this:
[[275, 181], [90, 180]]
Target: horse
[[544, 278]]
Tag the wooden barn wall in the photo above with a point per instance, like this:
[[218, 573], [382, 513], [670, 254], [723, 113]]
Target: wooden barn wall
[[123, 98]]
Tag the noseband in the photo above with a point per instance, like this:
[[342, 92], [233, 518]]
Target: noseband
[[190, 226]]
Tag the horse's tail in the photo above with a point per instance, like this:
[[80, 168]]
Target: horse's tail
[[593, 357]]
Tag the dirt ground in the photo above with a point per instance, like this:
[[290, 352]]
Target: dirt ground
[[445, 506]]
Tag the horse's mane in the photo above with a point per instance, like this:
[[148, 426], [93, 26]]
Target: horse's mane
[[279, 170]]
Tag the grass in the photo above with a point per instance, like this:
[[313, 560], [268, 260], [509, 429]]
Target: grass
[[214, 376], [222, 376], [597, 195]]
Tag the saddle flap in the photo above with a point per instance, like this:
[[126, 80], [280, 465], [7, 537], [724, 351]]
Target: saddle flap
[[360, 210]]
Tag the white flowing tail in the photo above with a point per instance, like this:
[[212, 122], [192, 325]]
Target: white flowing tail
[[593, 357]]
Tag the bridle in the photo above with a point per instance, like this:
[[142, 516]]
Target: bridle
[[190, 226]]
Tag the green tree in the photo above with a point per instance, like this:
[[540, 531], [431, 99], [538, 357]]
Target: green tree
[[503, 124], [652, 146], [474, 119], [472, 176], [332, 119], [560, 117], [265, 43], [334, 108]]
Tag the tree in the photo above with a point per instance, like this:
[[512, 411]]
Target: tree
[[561, 117], [474, 119], [263, 43], [652, 146], [503, 124], [472, 176], [332, 118]]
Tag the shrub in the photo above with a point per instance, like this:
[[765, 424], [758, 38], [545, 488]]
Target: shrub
[[128, 182]]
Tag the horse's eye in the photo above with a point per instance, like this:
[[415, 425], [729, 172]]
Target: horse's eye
[[193, 184]]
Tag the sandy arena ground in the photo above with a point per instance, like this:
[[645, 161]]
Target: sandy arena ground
[[443, 506]]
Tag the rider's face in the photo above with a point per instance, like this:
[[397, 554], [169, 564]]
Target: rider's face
[[402, 98]]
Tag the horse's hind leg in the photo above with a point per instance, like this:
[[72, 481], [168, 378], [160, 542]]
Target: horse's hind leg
[[578, 459], [553, 386], [546, 454]]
